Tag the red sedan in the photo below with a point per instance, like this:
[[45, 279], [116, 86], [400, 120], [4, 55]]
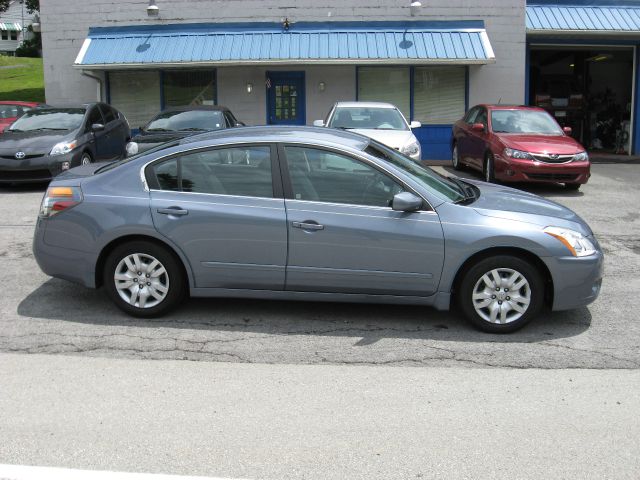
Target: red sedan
[[11, 110], [518, 144]]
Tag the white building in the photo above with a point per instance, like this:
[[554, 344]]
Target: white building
[[13, 26]]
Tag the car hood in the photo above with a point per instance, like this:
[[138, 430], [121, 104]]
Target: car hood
[[392, 138], [499, 201], [35, 141], [559, 144]]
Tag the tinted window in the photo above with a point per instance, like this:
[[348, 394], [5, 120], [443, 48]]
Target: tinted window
[[231, 121], [107, 112], [50, 119], [244, 171], [471, 115], [194, 120], [482, 117], [94, 117], [324, 176]]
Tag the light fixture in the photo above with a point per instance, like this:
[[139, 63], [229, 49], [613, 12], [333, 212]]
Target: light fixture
[[415, 8], [572, 65], [35, 25], [153, 10], [249, 87], [321, 86]]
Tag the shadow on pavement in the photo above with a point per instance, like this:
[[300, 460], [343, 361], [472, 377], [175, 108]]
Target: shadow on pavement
[[59, 300]]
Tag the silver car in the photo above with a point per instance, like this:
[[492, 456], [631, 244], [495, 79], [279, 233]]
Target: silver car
[[304, 213]]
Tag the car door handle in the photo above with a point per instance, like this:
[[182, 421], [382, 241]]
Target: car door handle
[[307, 226], [177, 211]]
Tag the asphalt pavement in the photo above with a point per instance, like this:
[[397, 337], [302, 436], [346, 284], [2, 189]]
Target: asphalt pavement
[[323, 390]]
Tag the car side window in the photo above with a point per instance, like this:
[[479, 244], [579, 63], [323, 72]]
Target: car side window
[[108, 114], [243, 171], [471, 115], [94, 117], [325, 176], [231, 121], [482, 117]]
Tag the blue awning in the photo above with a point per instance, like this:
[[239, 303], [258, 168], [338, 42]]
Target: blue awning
[[585, 19], [268, 44]]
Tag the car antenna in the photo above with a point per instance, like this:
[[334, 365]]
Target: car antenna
[[499, 100]]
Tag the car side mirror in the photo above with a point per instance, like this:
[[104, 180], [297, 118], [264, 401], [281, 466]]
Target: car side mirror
[[406, 202], [132, 149], [567, 130], [478, 127], [318, 123], [96, 127], [415, 124]]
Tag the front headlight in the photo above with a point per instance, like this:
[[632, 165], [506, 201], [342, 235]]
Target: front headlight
[[63, 147], [411, 149], [578, 244], [519, 154], [581, 157]]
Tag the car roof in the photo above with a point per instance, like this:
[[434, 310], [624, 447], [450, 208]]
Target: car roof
[[283, 133], [366, 104], [510, 107], [20, 102]]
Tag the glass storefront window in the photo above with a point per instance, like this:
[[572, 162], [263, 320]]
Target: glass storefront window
[[136, 94], [438, 95], [385, 84], [189, 87]]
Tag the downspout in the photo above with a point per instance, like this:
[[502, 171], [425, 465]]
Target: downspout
[[99, 86]]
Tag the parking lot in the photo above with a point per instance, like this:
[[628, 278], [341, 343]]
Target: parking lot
[[44, 315]]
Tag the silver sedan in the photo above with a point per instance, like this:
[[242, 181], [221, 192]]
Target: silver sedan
[[303, 213]]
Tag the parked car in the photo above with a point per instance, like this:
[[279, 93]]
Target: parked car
[[302, 213], [10, 111], [44, 142], [181, 122], [519, 144], [381, 121]]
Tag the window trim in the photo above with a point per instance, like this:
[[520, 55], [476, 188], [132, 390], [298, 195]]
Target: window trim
[[288, 187], [151, 184]]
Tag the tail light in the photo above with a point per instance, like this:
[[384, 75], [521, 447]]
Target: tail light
[[59, 199]]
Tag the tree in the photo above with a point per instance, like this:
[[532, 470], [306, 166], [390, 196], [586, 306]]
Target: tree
[[4, 5], [32, 5]]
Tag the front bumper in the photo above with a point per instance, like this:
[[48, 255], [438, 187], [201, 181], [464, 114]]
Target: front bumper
[[514, 170], [576, 280], [36, 169]]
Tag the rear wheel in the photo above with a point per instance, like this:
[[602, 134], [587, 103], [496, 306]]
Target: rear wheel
[[455, 159], [489, 169], [572, 186], [144, 279], [501, 294]]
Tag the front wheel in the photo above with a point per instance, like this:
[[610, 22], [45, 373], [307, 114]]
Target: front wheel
[[143, 279], [85, 159], [489, 169], [455, 158], [501, 294], [572, 186]]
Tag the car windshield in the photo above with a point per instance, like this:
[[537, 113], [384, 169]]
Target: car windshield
[[524, 121], [49, 119], [192, 120], [370, 118], [432, 180]]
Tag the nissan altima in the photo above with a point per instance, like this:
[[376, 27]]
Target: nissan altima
[[303, 213]]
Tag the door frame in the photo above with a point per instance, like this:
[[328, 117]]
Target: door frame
[[302, 106]]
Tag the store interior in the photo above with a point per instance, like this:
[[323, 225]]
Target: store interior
[[589, 89]]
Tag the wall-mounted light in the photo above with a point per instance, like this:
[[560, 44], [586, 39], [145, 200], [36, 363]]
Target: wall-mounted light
[[414, 8], [35, 25], [322, 86], [249, 87], [153, 10]]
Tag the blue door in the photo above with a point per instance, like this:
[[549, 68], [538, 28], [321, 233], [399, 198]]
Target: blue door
[[285, 98]]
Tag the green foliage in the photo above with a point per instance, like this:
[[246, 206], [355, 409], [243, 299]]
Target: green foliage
[[4, 5]]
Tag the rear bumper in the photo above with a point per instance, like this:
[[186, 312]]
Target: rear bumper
[[35, 170], [72, 265], [576, 280], [512, 170]]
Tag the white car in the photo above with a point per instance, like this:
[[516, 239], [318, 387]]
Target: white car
[[381, 121]]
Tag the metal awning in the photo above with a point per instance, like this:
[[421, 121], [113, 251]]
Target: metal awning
[[11, 27], [583, 20], [269, 43]]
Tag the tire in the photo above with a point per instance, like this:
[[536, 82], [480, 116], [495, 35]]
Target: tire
[[573, 186], [489, 169], [85, 159], [491, 295], [162, 290], [455, 159]]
